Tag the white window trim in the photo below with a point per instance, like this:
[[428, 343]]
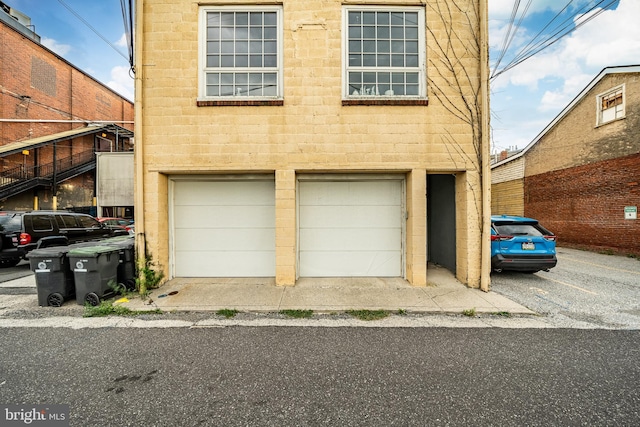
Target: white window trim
[[202, 49], [422, 52], [600, 96]]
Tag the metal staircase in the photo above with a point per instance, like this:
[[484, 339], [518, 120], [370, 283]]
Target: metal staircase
[[20, 179]]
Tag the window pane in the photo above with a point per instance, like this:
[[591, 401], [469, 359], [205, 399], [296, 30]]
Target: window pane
[[369, 18], [270, 61], [255, 33], [397, 18], [368, 60], [397, 60], [213, 61], [369, 32], [383, 18], [369, 46], [355, 18], [226, 78], [270, 47], [255, 47], [226, 61], [213, 47], [255, 18], [242, 47], [383, 32], [242, 33], [355, 60], [270, 18], [226, 19], [412, 61], [242, 18], [242, 60], [355, 32], [213, 33], [384, 60], [384, 46], [270, 33], [213, 19], [397, 47], [255, 61], [226, 47]]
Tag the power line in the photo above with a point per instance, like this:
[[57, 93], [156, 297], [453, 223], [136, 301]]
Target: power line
[[564, 28], [92, 29]]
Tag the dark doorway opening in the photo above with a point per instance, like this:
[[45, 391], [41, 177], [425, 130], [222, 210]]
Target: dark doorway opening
[[441, 220]]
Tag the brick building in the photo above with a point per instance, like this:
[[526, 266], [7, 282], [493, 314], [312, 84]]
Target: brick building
[[581, 176], [49, 111], [313, 138]]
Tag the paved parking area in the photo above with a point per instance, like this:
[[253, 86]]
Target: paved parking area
[[585, 290]]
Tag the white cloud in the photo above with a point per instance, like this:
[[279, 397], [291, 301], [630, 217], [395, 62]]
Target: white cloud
[[122, 82], [59, 48], [553, 77], [122, 42]]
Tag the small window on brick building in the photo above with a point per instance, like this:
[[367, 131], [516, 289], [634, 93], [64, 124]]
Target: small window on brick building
[[611, 105]]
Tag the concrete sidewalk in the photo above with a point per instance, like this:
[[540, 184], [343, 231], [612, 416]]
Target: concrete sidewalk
[[444, 294]]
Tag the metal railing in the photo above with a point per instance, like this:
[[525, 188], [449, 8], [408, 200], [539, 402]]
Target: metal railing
[[19, 177]]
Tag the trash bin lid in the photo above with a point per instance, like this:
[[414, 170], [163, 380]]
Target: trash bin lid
[[92, 251], [49, 252]]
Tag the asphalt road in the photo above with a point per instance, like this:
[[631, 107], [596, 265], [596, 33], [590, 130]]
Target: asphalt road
[[585, 290], [326, 376]]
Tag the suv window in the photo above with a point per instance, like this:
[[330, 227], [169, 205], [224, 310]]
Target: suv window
[[67, 221], [88, 222], [518, 230], [41, 222], [10, 222]]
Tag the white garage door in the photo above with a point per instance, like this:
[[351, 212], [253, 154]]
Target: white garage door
[[350, 228], [224, 228]]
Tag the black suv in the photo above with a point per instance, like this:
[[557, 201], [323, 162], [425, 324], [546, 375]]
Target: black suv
[[21, 232]]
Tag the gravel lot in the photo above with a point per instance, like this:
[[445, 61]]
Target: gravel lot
[[585, 289]]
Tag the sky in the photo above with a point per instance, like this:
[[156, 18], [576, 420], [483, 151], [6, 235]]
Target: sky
[[524, 99]]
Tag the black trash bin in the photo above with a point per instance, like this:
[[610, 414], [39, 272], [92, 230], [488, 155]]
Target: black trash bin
[[127, 260], [95, 272], [54, 278]]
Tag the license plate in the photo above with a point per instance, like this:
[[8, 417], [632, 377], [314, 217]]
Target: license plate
[[528, 246]]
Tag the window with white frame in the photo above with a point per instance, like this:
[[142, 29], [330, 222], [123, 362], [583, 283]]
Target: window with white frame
[[384, 52], [611, 105], [240, 52]]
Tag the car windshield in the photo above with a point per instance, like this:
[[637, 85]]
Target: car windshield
[[518, 230], [10, 222]]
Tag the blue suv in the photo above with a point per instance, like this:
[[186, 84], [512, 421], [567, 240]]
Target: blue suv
[[521, 244]]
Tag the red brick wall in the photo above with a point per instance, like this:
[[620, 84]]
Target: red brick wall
[[584, 205], [37, 84]]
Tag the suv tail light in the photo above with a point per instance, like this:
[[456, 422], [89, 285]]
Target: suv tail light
[[500, 237], [25, 238], [550, 238]]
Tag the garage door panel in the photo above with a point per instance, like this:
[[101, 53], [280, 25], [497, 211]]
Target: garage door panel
[[225, 264], [225, 216], [238, 193], [351, 239], [223, 228], [344, 264], [220, 239], [350, 193], [350, 228], [348, 216]]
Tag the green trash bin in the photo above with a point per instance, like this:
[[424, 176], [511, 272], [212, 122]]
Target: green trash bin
[[54, 278], [127, 266], [95, 272]]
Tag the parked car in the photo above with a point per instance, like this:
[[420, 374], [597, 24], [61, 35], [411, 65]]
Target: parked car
[[21, 232], [118, 222], [521, 244]]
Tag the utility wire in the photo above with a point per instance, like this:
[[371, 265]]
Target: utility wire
[[566, 27], [92, 29]]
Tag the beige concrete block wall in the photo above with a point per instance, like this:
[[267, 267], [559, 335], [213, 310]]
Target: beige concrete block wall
[[286, 227], [576, 140], [312, 131]]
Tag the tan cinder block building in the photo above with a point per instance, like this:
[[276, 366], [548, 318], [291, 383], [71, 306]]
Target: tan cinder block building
[[313, 138]]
